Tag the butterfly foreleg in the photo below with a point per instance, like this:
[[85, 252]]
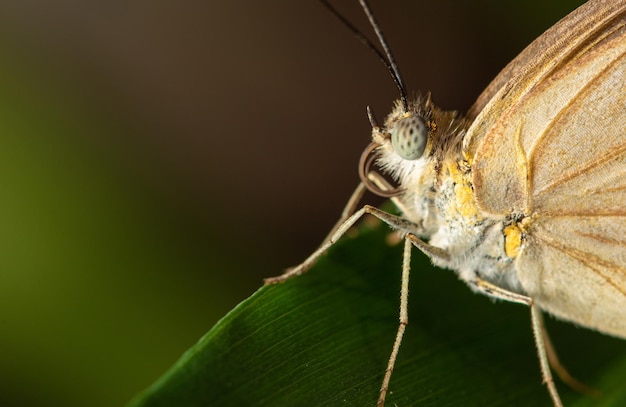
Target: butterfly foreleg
[[394, 221]]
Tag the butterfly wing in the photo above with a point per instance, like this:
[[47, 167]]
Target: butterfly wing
[[551, 144], [550, 46]]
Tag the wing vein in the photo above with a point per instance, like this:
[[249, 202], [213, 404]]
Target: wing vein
[[621, 212], [592, 164], [596, 264], [541, 140]]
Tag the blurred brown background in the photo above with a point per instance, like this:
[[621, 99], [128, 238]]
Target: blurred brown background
[[158, 158]]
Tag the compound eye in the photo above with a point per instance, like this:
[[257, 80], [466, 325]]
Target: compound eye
[[408, 137]]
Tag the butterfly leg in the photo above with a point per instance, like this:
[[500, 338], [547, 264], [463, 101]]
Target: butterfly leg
[[562, 371], [348, 210], [404, 319], [537, 326], [356, 197], [393, 221], [346, 222]]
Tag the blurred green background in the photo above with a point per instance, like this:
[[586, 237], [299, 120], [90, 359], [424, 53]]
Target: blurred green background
[[158, 158]]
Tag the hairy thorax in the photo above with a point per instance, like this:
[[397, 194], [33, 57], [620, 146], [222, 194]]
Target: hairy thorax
[[479, 245]]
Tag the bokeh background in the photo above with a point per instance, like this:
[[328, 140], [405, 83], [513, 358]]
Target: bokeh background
[[159, 158]]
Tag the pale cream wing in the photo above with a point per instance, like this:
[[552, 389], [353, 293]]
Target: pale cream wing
[[551, 144], [537, 60], [574, 261], [575, 268], [553, 116], [540, 55]]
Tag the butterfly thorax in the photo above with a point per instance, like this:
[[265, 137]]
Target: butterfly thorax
[[438, 197]]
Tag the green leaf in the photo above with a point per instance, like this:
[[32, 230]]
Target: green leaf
[[324, 338]]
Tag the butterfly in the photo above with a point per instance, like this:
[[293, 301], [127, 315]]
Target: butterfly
[[524, 196]]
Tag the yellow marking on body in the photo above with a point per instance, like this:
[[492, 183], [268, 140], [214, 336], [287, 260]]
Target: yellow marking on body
[[465, 201], [512, 240]]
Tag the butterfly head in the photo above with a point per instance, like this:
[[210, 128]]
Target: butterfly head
[[411, 141]]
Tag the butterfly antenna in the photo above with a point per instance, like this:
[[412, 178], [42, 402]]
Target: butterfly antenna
[[386, 58]]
